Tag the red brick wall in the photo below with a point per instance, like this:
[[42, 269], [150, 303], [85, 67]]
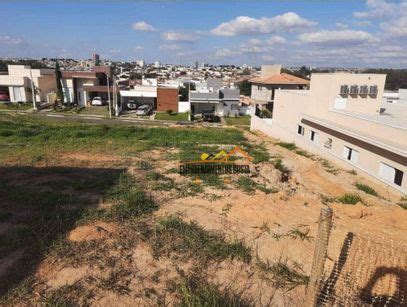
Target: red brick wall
[[167, 99]]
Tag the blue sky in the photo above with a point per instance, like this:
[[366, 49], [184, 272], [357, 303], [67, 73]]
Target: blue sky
[[326, 33]]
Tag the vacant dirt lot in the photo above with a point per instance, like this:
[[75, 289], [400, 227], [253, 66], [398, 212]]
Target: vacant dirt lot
[[130, 230]]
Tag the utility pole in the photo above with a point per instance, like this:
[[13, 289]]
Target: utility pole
[[108, 95], [116, 109], [33, 90]]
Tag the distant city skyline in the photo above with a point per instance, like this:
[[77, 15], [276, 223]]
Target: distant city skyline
[[345, 34]]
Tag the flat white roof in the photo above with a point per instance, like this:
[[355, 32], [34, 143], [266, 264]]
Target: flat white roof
[[138, 93]]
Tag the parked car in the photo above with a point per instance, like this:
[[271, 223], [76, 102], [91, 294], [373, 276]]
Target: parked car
[[97, 101], [145, 109], [4, 96], [131, 105]]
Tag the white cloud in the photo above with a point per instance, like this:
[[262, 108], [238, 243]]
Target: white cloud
[[341, 26], [276, 40], [363, 23], [252, 49], [255, 42], [143, 26], [114, 51], [8, 40], [248, 25], [138, 48], [338, 37], [170, 47], [378, 9], [225, 52], [179, 36], [267, 58], [396, 28]]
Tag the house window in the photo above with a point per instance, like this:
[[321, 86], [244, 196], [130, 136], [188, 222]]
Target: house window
[[259, 87], [354, 90], [373, 90], [328, 143], [313, 136], [391, 174], [344, 90], [350, 154], [300, 130], [363, 90]]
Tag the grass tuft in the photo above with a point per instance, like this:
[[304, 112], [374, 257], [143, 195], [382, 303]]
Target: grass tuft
[[300, 232], [365, 188], [285, 171], [349, 199], [144, 165], [189, 189], [282, 275], [129, 200], [249, 186], [293, 147], [246, 184], [403, 202], [173, 235], [194, 290], [289, 146]]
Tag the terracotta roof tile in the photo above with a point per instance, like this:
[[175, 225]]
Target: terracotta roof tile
[[282, 78]]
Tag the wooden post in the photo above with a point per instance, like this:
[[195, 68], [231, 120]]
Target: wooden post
[[318, 262]]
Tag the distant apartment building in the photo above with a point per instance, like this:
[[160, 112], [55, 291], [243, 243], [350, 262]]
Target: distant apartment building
[[342, 117], [96, 59], [21, 80], [271, 79]]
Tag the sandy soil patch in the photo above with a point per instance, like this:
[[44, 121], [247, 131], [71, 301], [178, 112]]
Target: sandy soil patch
[[97, 231]]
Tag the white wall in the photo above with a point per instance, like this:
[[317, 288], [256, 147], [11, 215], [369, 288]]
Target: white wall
[[184, 106], [261, 124]]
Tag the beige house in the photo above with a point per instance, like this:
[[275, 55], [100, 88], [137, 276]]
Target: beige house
[[81, 86], [17, 83], [342, 117], [271, 79]]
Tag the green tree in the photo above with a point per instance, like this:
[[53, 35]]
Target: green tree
[[246, 71], [304, 71], [183, 91], [245, 88]]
